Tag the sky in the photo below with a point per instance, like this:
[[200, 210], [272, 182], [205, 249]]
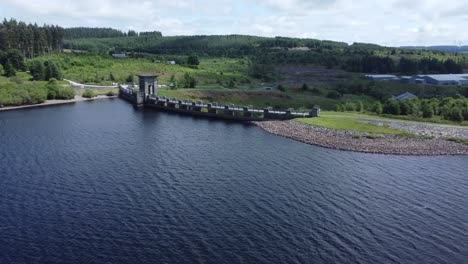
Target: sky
[[384, 22]]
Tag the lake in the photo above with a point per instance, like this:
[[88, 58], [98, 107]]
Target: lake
[[103, 182]]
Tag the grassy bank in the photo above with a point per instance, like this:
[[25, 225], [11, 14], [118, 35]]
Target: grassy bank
[[344, 121]]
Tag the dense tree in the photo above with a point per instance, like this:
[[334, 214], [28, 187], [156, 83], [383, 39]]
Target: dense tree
[[37, 70], [189, 81], [392, 107], [85, 32], [9, 70], [52, 71], [30, 40], [130, 79], [193, 60], [408, 66], [377, 108], [173, 82]]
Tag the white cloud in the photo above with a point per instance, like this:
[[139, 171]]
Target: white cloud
[[388, 22]]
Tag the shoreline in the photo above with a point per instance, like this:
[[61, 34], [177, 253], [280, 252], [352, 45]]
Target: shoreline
[[356, 141], [57, 102]]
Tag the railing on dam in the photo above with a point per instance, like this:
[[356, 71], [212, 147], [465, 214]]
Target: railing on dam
[[214, 109]]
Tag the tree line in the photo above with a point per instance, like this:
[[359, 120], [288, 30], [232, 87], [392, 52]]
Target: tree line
[[375, 64], [93, 32], [448, 108], [30, 39]]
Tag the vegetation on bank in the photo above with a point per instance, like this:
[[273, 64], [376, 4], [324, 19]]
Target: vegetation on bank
[[18, 91], [348, 122], [230, 69], [89, 93], [447, 108]]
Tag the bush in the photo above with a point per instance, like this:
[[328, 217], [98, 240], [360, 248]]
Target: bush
[[88, 93], [65, 93], [193, 60], [333, 95], [427, 110], [110, 93], [316, 91], [130, 79], [392, 107], [339, 108], [305, 87], [349, 106], [9, 71], [281, 88], [52, 89], [377, 108], [456, 114], [360, 107], [189, 81], [1, 70]]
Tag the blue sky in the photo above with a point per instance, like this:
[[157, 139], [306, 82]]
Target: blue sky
[[385, 22]]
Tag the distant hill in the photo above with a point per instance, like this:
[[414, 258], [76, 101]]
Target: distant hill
[[448, 48]]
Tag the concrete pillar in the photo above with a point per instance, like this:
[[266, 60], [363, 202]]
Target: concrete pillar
[[247, 113], [211, 110], [315, 112], [227, 110]]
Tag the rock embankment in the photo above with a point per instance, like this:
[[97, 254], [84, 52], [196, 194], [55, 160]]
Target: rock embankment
[[358, 141]]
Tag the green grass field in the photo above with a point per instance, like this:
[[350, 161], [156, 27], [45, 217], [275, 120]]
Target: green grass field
[[94, 69], [347, 121]]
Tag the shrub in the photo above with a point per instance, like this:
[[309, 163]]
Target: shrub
[[339, 108], [316, 91], [349, 106], [374, 136], [52, 89], [281, 88], [189, 81], [456, 114], [110, 93], [377, 108], [65, 93], [360, 107], [88, 93], [305, 87], [392, 107], [9, 71], [427, 110], [333, 95], [130, 79]]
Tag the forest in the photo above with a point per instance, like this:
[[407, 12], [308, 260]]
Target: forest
[[358, 57], [225, 68], [87, 32]]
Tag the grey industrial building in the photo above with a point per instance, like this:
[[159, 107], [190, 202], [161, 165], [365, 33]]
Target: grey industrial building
[[434, 79]]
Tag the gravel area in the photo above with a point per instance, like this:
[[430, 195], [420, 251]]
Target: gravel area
[[425, 129], [357, 141]]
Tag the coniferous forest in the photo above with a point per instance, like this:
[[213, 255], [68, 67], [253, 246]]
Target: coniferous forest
[[41, 53]]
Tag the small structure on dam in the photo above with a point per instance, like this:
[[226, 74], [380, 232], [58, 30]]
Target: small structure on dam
[[146, 96]]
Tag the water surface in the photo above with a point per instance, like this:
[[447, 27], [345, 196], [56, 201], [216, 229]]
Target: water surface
[[102, 182]]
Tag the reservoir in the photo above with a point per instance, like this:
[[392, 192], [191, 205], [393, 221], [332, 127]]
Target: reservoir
[[103, 182]]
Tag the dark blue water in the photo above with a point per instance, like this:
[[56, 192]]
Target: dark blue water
[[101, 182]]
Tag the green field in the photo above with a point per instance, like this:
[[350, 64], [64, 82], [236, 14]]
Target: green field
[[96, 69], [347, 121]]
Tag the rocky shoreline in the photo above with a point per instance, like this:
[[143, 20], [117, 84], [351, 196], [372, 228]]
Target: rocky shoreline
[[362, 142]]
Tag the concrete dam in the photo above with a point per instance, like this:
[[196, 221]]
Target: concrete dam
[[146, 96]]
